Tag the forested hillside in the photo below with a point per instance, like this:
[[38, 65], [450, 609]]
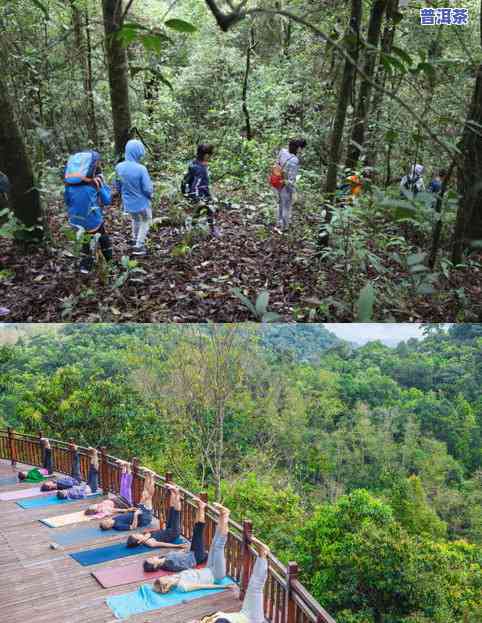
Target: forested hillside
[[363, 464], [372, 91]]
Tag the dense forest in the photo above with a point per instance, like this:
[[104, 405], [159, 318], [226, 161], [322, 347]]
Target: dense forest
[[372, 91], [362, 463]]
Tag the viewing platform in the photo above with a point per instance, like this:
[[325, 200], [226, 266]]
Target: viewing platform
[[39, 584]]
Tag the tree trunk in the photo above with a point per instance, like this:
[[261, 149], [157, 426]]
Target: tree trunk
[[468, 226], [117, 69], [14, 161], [386, 47], [80, 21], [352, 47], [360, 121], [249, 50]]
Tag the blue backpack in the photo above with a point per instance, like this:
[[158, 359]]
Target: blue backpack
[[80, 167]]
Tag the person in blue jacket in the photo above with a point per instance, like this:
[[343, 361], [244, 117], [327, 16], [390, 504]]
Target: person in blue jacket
[[196, 185], [84, 206], [135, 186]]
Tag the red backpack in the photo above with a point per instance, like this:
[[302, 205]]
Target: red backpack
[[276, 178]]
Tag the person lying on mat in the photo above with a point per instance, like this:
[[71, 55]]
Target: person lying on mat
[[68, 482], [252, 610], [137, 517], [192, 579], [34, 475], [164, 537]]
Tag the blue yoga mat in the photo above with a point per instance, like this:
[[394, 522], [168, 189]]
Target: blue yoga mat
[[50, 500], [8, 480], [112, 552], [145, 599], [83, 535]]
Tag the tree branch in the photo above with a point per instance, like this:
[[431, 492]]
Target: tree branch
[[225, 22]]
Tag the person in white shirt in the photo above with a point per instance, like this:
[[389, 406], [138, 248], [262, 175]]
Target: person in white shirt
[[191, 578], [289, 162], [252, 610]]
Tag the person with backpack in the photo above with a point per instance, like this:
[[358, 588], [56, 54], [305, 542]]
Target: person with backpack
[[413, 182], [85, 195], [435, 185], [283, 179], [195, 185], [136, 189]]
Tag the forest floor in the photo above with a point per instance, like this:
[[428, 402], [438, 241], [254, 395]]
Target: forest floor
[[190, 278]]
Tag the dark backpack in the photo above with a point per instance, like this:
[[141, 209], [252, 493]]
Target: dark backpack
[[411, 184], [186, 182]]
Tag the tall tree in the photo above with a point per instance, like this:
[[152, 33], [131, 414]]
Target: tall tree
[[15, 162], [117, 68], [468, 226], [371, 51], [344, 98], [80, 20]]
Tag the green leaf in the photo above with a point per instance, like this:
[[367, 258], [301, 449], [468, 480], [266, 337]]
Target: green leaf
[[244, 299], [365, 303], [402, 54], [270, 317], [415, 258], [42, 7], [180, 25], [262, 303]]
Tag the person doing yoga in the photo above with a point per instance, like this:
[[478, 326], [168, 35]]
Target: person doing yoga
[[164, 537], [252, 610], [136, 517], [191, 579]]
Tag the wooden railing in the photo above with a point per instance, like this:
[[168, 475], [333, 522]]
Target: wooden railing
[[286, 599]]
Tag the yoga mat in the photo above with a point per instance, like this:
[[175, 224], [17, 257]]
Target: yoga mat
[[22, 493], [112, 552], [51, 500], [8, 480], [145, 599], [83, 535], [109, 577], [59, 521]]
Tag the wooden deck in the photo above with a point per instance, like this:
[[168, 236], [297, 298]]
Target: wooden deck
[[42, 585]]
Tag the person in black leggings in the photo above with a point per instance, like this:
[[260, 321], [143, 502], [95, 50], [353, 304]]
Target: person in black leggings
[[163, 537], [179, 561], [47, 455]]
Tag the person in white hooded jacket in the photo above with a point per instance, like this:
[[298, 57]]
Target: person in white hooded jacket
[[290, 164], [414, 181]]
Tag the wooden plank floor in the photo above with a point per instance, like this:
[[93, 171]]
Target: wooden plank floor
[[42, 585]]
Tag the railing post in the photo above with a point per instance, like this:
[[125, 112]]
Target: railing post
[[246, 557], [292, 571], [136, 496], [11, 445], [71, 448], [104, 470]]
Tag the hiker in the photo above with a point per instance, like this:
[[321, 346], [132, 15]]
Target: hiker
[[413, 182], [435, 185], [195, 186], [85, 195], [163, 537], [192, 579], [93, 475], [252, 610], [135, 187], [283, 178], [135, 517]]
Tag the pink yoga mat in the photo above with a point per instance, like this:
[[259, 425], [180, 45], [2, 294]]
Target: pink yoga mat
[[22, 493], [126, 574]]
